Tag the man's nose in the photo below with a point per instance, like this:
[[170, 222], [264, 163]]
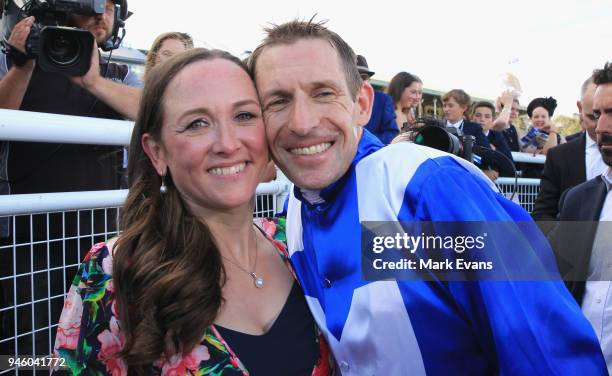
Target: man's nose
[[302, 117]]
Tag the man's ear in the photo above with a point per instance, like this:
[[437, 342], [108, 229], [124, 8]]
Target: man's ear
[[155, 152], [364, 101], [579, 105]]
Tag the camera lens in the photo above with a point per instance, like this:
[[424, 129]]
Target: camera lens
[[63, 49]]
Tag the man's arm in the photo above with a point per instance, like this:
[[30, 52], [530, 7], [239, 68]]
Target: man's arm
[[503, 119], [15, 81], [512, 312], [122, 98], [546, 204]]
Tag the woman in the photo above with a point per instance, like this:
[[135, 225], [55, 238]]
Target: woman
[[407, 92], [191, 286], [165, 46], [542, 135]]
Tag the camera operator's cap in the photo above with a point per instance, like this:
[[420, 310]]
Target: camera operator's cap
[[362, 66]]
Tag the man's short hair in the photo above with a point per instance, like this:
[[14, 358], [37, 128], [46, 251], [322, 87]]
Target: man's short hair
[[603, 76], [461, 97], [585, 86], [484, 104], [293, 31]]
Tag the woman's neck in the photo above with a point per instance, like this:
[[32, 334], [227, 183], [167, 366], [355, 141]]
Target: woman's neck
[[234, 234]]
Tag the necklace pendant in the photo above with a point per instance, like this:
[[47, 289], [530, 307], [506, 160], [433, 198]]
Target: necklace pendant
[[257, 281]]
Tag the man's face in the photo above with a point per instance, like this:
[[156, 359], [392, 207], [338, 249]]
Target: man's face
[[100, 25], [602, 109], [484, 117], [313, 125], [585, 107]]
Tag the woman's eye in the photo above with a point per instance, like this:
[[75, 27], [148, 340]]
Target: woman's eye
[[245, 116], [197, 124]]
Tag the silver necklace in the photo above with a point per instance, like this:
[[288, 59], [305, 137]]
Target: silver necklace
[[257, 280]]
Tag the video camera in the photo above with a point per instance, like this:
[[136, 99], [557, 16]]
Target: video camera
[[431, 131], [434, 133], [58, 47]]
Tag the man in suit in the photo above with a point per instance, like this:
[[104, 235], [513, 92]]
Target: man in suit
[[572, 163], [382, 120], [584, 249]]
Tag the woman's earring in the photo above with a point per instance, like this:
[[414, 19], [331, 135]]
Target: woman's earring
[[163, 189]]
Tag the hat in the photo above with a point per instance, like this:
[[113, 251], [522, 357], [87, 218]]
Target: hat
[[362, 66], [549, 104]]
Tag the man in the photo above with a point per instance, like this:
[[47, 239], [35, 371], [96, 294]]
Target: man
[[572, 163], [483, 114], [584, 249], [314, 106], [382, 122], [42, 167]]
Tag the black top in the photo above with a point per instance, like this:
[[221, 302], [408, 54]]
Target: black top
[[512, 138], [290, 347]]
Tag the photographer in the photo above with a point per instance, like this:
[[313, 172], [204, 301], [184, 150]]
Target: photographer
[[106, 90]]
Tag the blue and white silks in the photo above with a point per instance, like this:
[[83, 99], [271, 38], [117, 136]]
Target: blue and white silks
[[417, 327]]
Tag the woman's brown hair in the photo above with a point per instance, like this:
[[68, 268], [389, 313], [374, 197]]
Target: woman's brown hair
[[167, 269], [399, 83], [157, 43]]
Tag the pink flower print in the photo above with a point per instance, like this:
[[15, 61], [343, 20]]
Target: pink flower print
[[111, 343], [178, 366], [70, 322]]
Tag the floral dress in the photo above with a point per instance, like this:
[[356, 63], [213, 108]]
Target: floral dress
[[88, 334]]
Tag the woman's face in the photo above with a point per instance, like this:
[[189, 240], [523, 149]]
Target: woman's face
[[412, 95], [169, 48], [539, 117], [452, 110], [212, 139]]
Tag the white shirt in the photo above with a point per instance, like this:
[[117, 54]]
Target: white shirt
[[595, 165], [597, 302], [458, 125]]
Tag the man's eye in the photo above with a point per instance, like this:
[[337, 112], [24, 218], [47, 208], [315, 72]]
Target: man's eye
[[596, 115], [276, 103], [323, 94]]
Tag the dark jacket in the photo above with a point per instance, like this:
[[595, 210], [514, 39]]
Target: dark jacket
[[573, 241], [382, 121], [564, 169], [511, 137]]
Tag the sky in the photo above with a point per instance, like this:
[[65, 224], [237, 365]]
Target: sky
[[551, 46]]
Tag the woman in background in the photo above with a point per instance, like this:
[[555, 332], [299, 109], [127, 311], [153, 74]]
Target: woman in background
[[191, 286], [542, 135], [407, 92], [165, 46]]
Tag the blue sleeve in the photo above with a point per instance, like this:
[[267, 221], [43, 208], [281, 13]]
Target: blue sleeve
[[388, 125], [536, 327]]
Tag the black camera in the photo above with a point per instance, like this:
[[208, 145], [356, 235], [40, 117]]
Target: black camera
[[57, 47], [432, 132]]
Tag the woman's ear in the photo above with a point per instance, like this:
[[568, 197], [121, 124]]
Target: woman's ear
[[364, 102], [155, 152]]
